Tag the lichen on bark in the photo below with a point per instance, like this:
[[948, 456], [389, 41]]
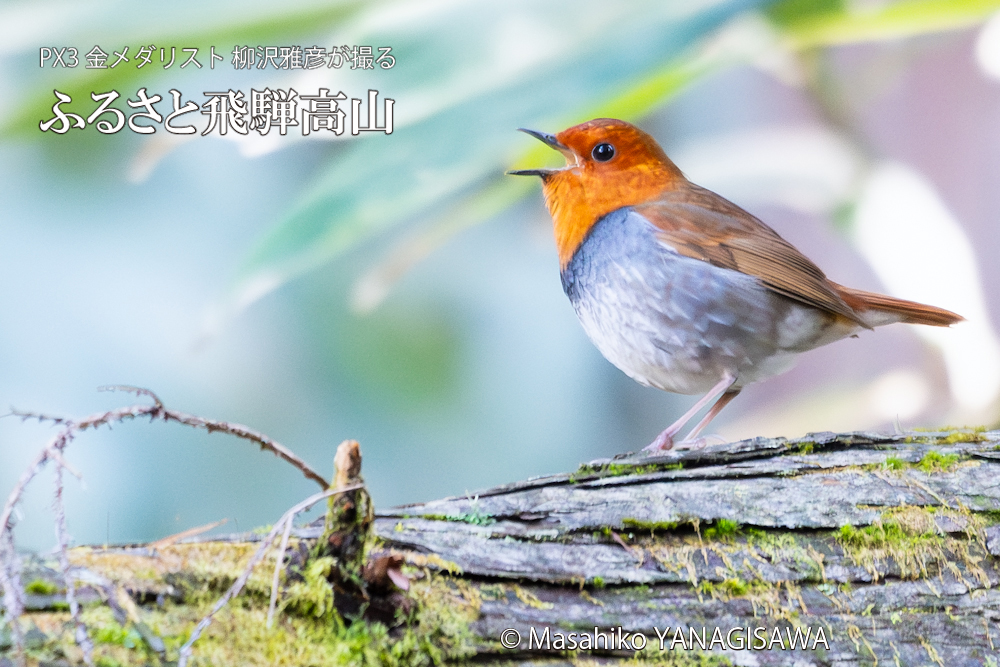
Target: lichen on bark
[[887, 543]]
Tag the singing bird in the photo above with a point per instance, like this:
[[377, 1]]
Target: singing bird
[[682, 289]]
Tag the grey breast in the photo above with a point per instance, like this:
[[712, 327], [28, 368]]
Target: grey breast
[[674, 322]]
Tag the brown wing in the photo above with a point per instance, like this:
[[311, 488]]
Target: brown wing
[[699, 223]]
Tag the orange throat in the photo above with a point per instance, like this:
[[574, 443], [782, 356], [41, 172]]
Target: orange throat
[[577, 199]]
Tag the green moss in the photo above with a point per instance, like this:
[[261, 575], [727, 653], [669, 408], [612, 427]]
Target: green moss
[[41, 587], [934, 461], [894, 463], [804, 448], [722, 529], [732, 587], [622, 469], [651, 526], [965, 436], [313, 595], [909, 538], [434, 632], [475, 517], [990, 517], [433, 629], [598, 582], [955, 435], [112, 633]]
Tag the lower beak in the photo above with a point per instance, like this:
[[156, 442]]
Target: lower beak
[[532, 172]]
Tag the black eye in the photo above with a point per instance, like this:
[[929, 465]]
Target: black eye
[[603, 152]]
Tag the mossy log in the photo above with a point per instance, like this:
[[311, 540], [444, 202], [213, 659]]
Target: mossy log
[[884, 548]]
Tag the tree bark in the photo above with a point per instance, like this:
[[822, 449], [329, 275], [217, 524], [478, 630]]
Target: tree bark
[[884, 548], [888, 543]]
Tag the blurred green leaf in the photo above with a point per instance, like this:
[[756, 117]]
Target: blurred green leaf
[[467, 75], [488, 69], [813, 23], [444, 158]]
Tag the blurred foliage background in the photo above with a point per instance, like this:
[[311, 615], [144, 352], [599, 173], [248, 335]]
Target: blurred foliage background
[[400, 290]]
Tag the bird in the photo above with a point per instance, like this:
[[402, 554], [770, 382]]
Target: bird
[[682, 289]]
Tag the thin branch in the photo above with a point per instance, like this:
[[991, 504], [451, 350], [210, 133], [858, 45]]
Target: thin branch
[[6, 525], [157, 411], [234, 590], [247, 433], [82, 639], [9, 564], [13, 592]]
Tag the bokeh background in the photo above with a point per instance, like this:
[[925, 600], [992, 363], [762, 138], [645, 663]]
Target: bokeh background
[[398, 289]]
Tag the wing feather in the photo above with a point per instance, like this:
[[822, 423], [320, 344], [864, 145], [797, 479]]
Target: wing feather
[[699, 223]]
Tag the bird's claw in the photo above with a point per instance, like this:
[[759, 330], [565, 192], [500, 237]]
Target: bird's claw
[[663, 442], [698, 443], [666, 442]]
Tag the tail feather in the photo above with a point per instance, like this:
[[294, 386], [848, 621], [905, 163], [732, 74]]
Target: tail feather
[[881, 309]]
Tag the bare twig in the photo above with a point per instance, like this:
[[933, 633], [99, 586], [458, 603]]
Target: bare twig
[[9, 563], [6, 525], [13, 592], [247, 433], [158, 411], [82, 639], [234, 590]]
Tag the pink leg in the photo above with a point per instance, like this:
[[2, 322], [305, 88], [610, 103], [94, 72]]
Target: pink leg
[[690, 439], [666, 439]]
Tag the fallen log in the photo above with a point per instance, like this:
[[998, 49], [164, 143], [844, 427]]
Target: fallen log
[[834, 549]]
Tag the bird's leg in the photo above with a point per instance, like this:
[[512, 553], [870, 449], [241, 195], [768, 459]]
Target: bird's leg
[[666, 439], [691, 441]]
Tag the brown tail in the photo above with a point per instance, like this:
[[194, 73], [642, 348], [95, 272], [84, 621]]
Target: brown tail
[[910, 312]]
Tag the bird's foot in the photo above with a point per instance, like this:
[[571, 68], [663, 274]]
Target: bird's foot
[[698, 443], [663, 442]]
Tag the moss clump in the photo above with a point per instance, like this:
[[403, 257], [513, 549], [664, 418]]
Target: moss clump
[[727, 588], [313, 595], [622, 469], [934, 461], [651, 526], [435, 631], [41, 587], [877, 536], [965, 436], [894, 463], [909, 538], [723, 529], [804, 448], [955, 435]]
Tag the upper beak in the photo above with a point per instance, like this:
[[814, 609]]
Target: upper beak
[[548, 140], [545, 138]]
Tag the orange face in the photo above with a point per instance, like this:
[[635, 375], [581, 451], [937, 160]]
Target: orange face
[[609, 164]]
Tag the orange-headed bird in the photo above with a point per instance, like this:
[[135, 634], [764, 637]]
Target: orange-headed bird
[[682, 289]]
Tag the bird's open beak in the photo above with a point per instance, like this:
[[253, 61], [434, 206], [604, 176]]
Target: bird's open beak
[[548, 140]]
